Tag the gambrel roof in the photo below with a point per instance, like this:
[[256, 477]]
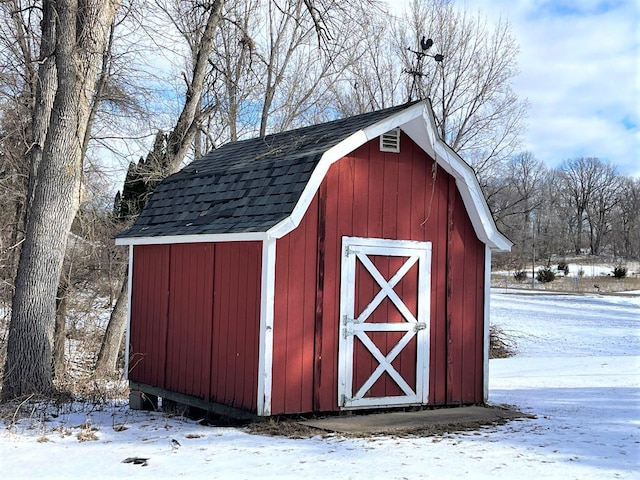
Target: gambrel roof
[[259, 188]]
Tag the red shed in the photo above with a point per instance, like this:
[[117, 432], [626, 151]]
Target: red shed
[[340, 266]]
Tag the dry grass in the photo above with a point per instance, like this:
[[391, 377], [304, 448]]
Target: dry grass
[[500, 344], [579, 285], [87, 432], [285, 427]]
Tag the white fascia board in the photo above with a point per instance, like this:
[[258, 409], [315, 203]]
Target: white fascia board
[[397, 120], [328, 158], [204, 238], [421, 135], [265, 347], [470, 191], [335, 153]]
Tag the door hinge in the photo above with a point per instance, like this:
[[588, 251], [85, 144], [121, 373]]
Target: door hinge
[[346, 320], [349, 250], [346, 331]]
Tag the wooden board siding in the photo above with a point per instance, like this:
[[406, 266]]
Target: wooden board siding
[[294, 317], [195, 320], [236, 330], [382, 195], [190, 326], [149, 301], [466, 303]]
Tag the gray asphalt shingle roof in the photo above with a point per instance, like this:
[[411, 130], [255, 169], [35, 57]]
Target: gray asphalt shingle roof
[[245, 186]]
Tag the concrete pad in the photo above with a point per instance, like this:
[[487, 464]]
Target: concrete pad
[[434, 421]]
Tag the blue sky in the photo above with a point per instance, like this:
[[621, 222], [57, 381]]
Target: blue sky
[[579, 69]]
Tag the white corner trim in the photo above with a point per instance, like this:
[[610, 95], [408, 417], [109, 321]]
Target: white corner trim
[[486, 331], [128, 330], [265, 348], [203, 238]]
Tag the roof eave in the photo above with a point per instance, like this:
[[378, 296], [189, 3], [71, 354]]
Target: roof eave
[[424, 133], [418, 122], [199, 238], [335, 153]]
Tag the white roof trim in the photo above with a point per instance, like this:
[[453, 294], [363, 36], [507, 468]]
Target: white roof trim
[[204, 238], [334, 154], [418, 122], [470, 191]]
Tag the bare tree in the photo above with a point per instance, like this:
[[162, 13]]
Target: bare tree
[[292, 70], [626, 221], [477, 112], [372, 81], [591, 189], [235, 77], [74, 35], [605, 197], [19, 42], [276, 69], [169, 151], [516, 199]]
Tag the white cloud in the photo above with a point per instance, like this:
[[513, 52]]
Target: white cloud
[[579, 70]]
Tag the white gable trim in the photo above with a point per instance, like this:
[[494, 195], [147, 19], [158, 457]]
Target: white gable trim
[[418, 122], [469, 189]]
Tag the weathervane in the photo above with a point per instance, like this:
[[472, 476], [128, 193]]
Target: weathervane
[[416, 72]]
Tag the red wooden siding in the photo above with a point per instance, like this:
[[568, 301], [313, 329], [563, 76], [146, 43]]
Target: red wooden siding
[[294, 317], [380, 195], [466, 305], [195, 320], [189, 329], [148, 336], [236, 331]]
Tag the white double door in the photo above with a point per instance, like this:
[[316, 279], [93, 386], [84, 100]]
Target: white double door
[[383, 355]]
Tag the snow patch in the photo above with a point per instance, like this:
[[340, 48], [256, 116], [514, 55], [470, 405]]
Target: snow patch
[[577, 369]]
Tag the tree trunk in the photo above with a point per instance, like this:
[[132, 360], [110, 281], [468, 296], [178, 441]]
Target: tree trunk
[[81, 32], [108, 355], [45, 92], [59, 334], [179, 141], [181, 137]]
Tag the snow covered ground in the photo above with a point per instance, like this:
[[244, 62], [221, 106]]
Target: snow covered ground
[[577, 369]]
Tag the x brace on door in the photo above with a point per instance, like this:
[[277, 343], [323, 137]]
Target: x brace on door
[[359, 250]]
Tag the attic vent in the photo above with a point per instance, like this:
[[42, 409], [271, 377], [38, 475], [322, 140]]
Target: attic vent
[[390, 141]]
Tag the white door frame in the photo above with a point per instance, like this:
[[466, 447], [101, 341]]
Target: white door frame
[[351, 326]]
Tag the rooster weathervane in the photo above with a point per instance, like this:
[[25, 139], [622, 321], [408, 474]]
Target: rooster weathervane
[[416, 72]]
